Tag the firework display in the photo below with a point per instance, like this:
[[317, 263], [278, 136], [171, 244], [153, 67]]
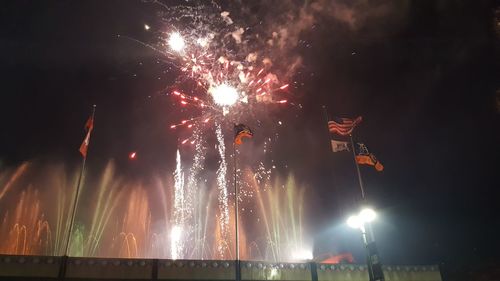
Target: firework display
[[225, 75], [248, 139]]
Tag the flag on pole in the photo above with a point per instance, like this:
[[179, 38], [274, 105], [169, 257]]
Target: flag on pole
[[364, 157], [338, 146], [241, 131], [89, 126], [343, 126]]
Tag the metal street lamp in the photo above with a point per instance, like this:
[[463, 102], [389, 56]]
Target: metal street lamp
[[358, 221], [366, 216]]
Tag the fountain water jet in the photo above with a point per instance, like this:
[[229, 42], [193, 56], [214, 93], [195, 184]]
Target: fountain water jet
[[119, 218]]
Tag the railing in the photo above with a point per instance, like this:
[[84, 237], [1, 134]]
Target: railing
[[75, 268]]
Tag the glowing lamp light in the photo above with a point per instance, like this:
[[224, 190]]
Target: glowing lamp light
[[364, 216], [224, 95], [176, 42], [354, 222], [367, 215]]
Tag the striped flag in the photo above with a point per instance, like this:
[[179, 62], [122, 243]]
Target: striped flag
[[89, 126], [343, 126]]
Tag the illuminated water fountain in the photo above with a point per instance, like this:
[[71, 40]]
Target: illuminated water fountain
[[33, 221], [117, 218]]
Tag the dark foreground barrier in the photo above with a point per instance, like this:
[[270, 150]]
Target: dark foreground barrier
[[63, 268]]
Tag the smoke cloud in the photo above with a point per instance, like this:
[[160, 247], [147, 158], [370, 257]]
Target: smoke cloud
[[288, 21]]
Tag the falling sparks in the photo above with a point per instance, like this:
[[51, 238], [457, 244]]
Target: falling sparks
[[223, 189], [179, 209], [176, 238]]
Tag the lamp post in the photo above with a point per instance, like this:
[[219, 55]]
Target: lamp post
[[366, 216]]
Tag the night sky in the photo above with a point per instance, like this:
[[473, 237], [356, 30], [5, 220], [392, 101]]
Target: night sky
[[423, 74]]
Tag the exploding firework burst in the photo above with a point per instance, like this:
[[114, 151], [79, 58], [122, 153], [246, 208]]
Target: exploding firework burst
[[226, 76], [226, 68]]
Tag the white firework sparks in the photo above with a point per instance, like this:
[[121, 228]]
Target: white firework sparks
[[177, 245], [233, 79], [224, 95], [223, 192], [176, 42], [176, 242]]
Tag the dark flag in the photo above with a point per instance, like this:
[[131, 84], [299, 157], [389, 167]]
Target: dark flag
[[89, 125], [343, 126], [241, 131], [364, 157]]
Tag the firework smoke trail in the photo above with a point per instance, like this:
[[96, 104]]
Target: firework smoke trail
[[177, 245], [223, 193]]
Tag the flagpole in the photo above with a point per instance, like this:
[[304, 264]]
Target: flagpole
[[325, 113], [237, 244], [357, 168], [77, 195], [361, 187], [327, 119]]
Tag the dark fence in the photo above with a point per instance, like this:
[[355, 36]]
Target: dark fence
[[74, 268]]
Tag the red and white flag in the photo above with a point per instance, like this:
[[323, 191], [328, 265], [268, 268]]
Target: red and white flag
[[343, 126], [89, 125]]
